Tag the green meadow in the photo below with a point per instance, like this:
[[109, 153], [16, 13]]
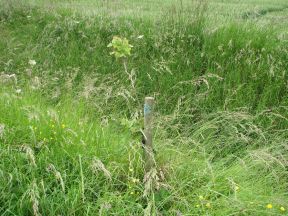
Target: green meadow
[[71, 111]]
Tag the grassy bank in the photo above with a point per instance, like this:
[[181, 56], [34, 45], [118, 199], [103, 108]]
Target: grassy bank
[[70, 121], [264, 13]]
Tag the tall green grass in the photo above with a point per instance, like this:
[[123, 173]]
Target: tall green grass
[[70, 138]]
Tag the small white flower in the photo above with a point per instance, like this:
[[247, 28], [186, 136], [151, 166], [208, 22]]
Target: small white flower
[[140, 36], [32, 62], [18, 91]]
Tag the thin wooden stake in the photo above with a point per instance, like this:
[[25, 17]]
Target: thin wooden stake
[[148, 133]]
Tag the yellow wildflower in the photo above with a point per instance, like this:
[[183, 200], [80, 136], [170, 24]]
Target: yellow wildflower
[[208, 205], [201, 198], [269, 206], [135, 180], [282, 209]]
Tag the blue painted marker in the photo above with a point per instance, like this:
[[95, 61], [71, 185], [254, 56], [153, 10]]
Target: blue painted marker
[[147, 109]]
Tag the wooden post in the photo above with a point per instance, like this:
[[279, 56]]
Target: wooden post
[[148, 134]]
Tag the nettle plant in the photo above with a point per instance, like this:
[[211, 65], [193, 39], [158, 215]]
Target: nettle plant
[[121, 47], [122, 50]]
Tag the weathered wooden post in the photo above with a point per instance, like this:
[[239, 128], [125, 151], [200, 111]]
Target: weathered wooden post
[[148, 133]]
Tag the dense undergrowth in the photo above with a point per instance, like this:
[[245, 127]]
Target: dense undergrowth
[[69, 124]]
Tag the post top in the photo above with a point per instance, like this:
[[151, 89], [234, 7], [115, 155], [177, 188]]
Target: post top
[[149, 98]]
